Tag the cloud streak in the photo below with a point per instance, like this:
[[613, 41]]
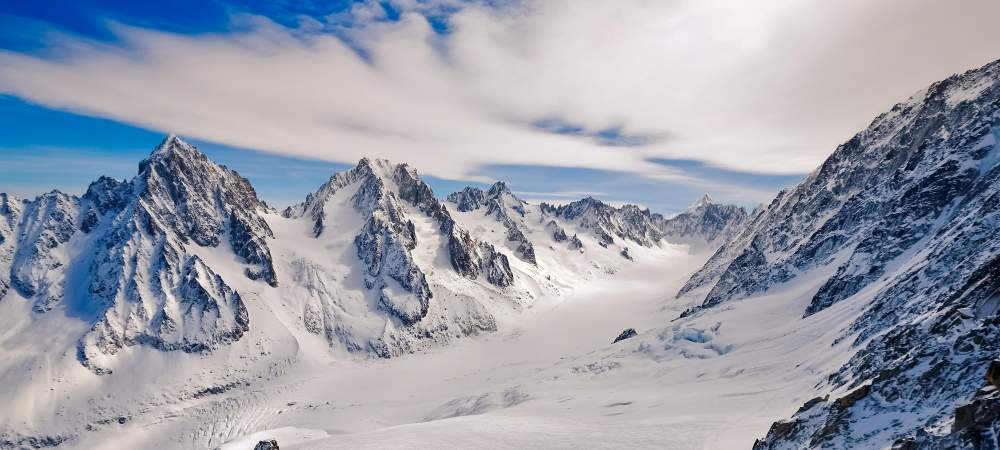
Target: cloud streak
[[764, 88]]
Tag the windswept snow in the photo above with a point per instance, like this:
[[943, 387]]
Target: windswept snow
[[550, 378]]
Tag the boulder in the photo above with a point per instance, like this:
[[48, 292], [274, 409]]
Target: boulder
[[627, 334], [267, 445], [993, 373], [850, 399]]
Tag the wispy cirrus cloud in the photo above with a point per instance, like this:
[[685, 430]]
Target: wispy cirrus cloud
[[760, 88]]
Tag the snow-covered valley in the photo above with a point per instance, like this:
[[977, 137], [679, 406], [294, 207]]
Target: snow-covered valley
[[550, 378]]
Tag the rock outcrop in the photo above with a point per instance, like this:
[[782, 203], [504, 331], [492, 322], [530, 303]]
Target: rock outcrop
[[388, 237], [500, 203], [705, 222], [269, 444], [909, 210], [151, 288], [628, 333], [144, 284]]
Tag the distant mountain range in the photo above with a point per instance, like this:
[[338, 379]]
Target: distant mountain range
[[372, 259]]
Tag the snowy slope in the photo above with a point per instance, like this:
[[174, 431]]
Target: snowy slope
[[181, 277], [903, 217], [176, 310]]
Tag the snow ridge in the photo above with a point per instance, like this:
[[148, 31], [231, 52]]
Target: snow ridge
[[906, 213]]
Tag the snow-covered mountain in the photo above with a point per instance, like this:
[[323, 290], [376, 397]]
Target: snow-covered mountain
[[704, 222], [119, 255], [182, 274], [900, 223], [178, 310], [540, 235]]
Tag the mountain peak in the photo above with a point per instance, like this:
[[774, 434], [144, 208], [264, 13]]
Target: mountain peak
[[172, 147], [376, 166], [499, 188], [172, 143], [702, 202]]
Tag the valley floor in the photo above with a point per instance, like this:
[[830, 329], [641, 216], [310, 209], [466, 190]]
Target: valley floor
[[553, 380]]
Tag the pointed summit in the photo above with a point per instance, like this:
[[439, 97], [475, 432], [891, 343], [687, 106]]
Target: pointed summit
[[499, 188], [179, 153], [172, 143], [702, 202]]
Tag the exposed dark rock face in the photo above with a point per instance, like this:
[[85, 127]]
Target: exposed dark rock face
[[508, 210], [625, 254], [270, 444], [178, 199], [387, 238], [705, 221], [143, 286], [628, 333], [384, 246], [472, 258], [19, 442], [558, 233], [913, 203], [779, 431], [469, 257], [977, 423], [104, 196], [605, 221], [203, 201], [888, 188], [993, 373], [468, 199]]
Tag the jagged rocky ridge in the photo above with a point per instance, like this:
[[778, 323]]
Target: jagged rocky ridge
[[905, 214], [500, 203], [125, 246], [387, 238], [145, 262], [705, 222], [148, 286]]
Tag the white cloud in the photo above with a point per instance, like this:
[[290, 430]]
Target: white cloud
[[754, 86]]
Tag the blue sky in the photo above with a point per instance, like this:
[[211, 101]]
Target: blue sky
[[654, 104], [43, 149]]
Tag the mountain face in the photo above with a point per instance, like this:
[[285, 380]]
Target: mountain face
[[500, 203], [120, 254], [372, 261], [152, 288], [903, 216], [37, 232], [182, 276], [704, 223], [388, 237]]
